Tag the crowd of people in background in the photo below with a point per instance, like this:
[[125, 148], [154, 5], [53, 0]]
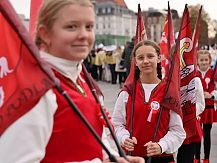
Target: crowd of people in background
[[111, 63], [54, 131]]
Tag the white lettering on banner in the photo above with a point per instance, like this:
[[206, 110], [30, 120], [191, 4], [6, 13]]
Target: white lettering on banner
[[186, 71], [188, 93]]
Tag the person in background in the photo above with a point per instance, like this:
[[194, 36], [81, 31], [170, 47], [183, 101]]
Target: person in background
[[88, 61], [99, 61], [149, 92], [110, 61], [120, 69], [127, 54], [52, 132], [210, 93]]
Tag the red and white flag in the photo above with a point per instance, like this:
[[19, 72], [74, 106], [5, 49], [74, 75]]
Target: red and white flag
[[196, 35], [167, 40], [23, 78], [140, 35], [187, 74], [140, 28]]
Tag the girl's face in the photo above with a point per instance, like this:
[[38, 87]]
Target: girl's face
[[203, 61], [146, 59], [72, 35]]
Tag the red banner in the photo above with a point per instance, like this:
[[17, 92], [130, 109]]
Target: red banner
[[140, 35], [196, 35], [171, 98], [23, 78], [187, 74], [167, 40], [140, 28]]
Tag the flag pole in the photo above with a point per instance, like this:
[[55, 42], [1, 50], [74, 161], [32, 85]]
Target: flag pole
[[93, 89], [138, 38], [9, 13], [112, 158], [169, 78]]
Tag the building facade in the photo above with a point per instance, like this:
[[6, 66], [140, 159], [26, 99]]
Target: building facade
[[115, 23]]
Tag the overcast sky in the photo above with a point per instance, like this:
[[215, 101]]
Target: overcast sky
[[23, 6]]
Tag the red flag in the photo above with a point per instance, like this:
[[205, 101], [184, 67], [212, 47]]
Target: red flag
[[187, 74], [196, 35], [34, 8], [23, 78], [171, 98], [140, 35], [140, 28], [167, 40]]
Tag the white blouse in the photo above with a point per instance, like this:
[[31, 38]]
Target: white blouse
[[169, 143], [175, 135], [26, 139]]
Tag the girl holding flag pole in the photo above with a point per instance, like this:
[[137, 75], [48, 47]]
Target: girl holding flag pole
[[51, 131], [207, 77], [148, 91]]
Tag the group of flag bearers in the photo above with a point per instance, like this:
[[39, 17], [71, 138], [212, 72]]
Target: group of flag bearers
[[43, 117]]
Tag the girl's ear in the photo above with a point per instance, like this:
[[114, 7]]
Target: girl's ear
[[44, 35]]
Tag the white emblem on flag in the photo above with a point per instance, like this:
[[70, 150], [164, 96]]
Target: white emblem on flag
[[163, 38], [186, 45], [4, 69]]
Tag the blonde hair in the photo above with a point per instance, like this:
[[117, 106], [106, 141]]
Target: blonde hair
[[48, 13], [204, 52]]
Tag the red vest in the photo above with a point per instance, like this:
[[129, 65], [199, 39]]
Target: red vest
[[208, 84], [208, 115], [145, 120], [70, 139]]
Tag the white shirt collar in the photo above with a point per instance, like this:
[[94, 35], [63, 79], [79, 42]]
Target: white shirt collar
[[203, 72], [68, 68]]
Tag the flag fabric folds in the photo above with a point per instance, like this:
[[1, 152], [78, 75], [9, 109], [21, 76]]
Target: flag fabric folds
[[140, 28], [187, 74], [23, 78], [140, 35], [196, 35], [167, 41]]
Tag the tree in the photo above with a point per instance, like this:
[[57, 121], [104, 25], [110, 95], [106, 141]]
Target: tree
[[205, 20]]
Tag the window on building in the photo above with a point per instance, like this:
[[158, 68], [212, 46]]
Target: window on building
[[99, 10], [103, 10], [127, 32], [108, 10]]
